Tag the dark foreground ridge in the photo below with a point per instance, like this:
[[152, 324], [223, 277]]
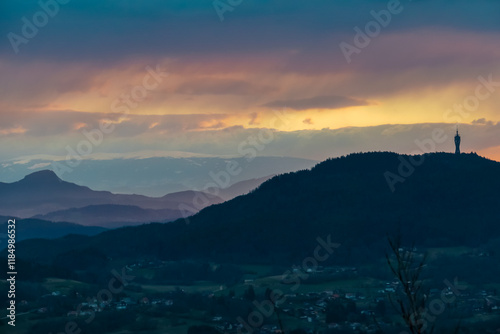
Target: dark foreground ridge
[[449, 200]]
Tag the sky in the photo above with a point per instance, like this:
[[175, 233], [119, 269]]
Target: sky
[[309, 79]]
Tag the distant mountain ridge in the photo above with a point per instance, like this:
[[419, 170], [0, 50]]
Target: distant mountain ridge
[[111, 215], [43, 192], [242, 188], [153, 176], [40, 178], [43, 195], [449, 200], [36, 228]]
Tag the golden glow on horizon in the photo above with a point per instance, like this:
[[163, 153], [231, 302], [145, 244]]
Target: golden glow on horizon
[[425, 105], [204, 96], [492, 153]]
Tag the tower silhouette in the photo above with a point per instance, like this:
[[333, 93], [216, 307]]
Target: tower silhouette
[[457, 143]]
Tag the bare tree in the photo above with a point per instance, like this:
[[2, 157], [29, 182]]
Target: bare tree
[[409, 299]]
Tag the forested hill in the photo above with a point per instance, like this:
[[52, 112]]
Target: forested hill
[[445, 200]]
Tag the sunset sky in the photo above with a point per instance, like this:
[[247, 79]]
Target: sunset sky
[[217, 82]]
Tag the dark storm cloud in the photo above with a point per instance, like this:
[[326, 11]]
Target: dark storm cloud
[[106, 31]]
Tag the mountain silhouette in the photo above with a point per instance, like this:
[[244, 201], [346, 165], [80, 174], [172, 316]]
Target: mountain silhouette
[[41, 178], [145, 174], [447, 200], [242, 188], [111, 215], [36, 228], [43, 192]]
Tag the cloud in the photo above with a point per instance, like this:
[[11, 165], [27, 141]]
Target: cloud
[[40, 165], [317, 102], [310, 144], [254, 119], [482, 121], [284, 53], [221, 87], [12, 131], [69, 122], [119, 29], [417, 62]]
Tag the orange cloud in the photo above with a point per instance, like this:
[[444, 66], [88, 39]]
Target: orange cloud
[[11, 131]]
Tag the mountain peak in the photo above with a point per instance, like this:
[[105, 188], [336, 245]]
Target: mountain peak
[[43, 176]]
